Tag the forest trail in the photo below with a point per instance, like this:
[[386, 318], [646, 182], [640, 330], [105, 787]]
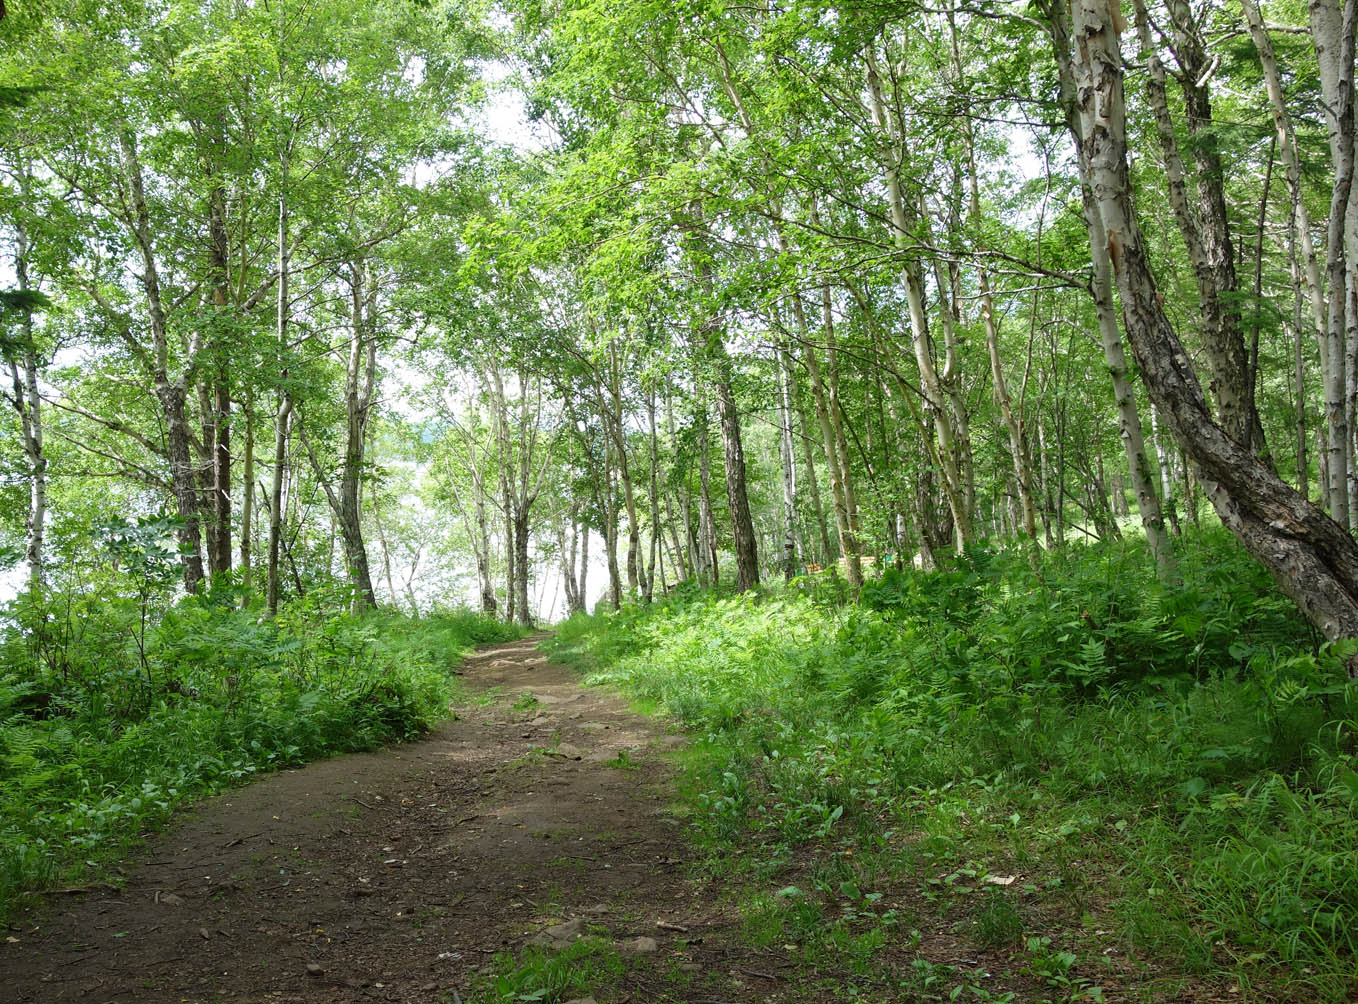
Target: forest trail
[[397, 875]]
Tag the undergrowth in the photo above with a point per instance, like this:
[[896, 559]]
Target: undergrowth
[[112, 715], [1172, 768]]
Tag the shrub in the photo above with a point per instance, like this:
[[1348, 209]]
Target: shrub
[[1199, 735], [108, 721]]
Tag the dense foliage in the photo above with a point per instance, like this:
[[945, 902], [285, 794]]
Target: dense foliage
[[1174, 764]]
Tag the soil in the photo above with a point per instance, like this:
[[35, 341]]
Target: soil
[[544, 810], [398, 875]]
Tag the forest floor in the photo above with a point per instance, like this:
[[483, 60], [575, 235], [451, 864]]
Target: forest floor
[[530, 849], [540, 814]]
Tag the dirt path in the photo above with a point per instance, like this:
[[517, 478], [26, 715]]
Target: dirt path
[[398, 875]]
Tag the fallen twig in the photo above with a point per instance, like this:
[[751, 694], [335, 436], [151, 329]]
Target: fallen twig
[[756, 972], [77, 889]]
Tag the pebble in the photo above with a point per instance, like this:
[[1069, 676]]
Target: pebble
[[559, 935]]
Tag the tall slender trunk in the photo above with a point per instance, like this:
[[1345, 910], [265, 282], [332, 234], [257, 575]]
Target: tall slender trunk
[[282, 421], [172, 394], [570, 553], [614, 418], [483, 579], [733, 456], [1330, 21], [1298, 371], [206, 476], [247, 495], [655, 496], [584, 566], [386, 552], [1206, 227], [1287, 148], [511, 593], [1165, 464], [610, 510], [521, 534], [811, 480], [901, 219], [789, 463], [360, 378], [950, 380], [834, 406], [1018, 449], [707, 524], [821, 403], [218, 444], [284, 412], [1129, 419], [1048, 503], [23, 367], [684, 569]]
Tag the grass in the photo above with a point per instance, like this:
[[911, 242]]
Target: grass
[[542, 975], [105, 729], [1094, 780]]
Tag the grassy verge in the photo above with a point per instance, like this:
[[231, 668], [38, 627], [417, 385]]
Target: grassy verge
[[105, 728], [1091, 782]]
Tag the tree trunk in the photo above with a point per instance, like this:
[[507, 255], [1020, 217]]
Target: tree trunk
[[1334, 55], [570, 552], [1298, 370], [1207, 231], [284, 412], [580, 592], [521, 528], [280, 456], [218, 509], [28, 403], [206, 476], [789, 463], [247, 495], [386, 552], [1288, 150], [614, 418], [1018, 449], [1165, 464], [683, 570], [1048, 504], [852, 547], [1129, 419], [707, 523], [360, 376], [183, 482], [950, 380], [172, 394], [812, 482], [848, 546], [1311, 557], [901, 213], [511, 593], [610, 508], [655, 499], [733, 455], [483, 579]]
